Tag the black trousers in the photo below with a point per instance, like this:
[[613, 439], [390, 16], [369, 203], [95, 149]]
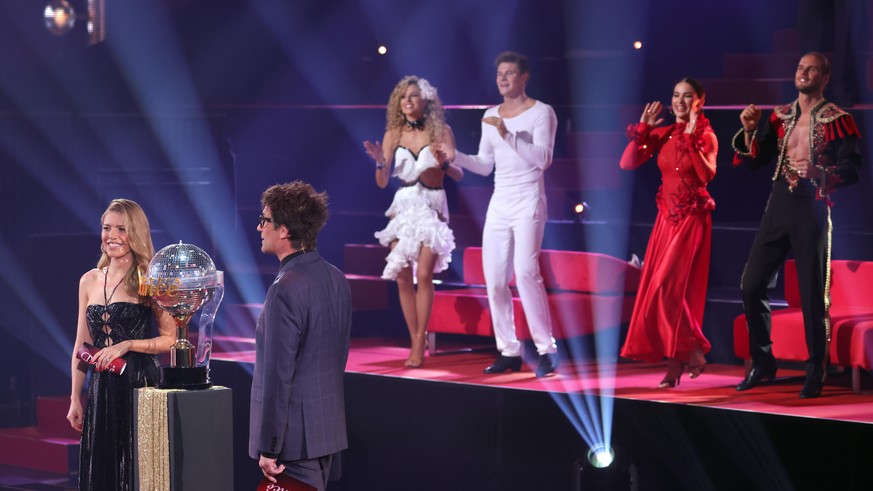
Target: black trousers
[[793, 222]]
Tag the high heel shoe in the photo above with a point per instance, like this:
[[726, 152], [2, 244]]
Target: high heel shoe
[[416, 356], [673, 376], [697, 365]]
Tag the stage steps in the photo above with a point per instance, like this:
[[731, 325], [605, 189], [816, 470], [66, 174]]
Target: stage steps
[[48, 484], [760, 78], [375, 308], [51, 446], [363, 264], [768, 78]]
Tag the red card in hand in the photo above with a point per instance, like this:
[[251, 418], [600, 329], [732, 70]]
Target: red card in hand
[[86, 353], [284, 482]]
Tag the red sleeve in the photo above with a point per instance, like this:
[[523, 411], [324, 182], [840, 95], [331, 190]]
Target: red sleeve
[[842, 127], [645, 140]]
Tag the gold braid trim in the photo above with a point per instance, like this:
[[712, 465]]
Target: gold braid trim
[[737, 137], [783, 149], [827, 291], [828, 112]]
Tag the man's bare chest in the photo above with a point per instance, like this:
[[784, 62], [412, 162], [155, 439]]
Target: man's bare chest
[[798, 140]]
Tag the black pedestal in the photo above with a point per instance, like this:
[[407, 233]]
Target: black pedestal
[[197, 446], [191, 378]]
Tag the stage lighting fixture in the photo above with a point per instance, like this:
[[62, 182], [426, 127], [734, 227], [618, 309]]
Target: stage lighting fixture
[[382, 50], [601, 455], [638, 44], [603, 470], [59, 17], [580, 208], [96, 21]]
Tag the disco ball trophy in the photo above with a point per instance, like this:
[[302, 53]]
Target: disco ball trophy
[[181, 278]]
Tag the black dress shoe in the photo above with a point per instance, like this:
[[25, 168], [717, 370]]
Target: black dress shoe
[[759, 373], [504, 363], [813, 383], [548, 364]]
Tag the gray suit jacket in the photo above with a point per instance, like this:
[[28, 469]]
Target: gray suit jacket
[[302, 344]]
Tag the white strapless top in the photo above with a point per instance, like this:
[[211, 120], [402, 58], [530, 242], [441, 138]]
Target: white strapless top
[[408, 166]]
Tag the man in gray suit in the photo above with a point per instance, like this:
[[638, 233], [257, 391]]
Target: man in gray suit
[[302, 343]]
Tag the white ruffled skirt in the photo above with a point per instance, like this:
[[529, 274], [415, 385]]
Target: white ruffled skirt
[[415, 222]]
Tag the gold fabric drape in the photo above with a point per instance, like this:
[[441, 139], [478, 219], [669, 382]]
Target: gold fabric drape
[[154, 439]]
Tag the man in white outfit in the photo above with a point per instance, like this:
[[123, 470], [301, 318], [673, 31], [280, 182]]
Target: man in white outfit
[[518, 139]]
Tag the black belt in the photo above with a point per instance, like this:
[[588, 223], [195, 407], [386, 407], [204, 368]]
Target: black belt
[[418, 181]]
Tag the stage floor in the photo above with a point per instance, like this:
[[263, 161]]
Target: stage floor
[[509, 431], [629, 380]]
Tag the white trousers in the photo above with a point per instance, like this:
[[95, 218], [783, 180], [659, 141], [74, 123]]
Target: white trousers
[[517, 237]]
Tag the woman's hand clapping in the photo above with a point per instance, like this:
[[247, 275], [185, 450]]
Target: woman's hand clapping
[[442, 152], [374, 150], [692, 119], [650, 114]]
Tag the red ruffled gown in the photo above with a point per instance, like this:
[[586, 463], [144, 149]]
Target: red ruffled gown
[[668, 311]]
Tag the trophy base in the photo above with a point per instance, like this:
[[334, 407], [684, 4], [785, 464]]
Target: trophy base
[[188, 378]]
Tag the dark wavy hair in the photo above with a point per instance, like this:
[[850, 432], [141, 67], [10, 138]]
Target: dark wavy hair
[[695, 84], [298, 207], [513, 57], [698, 89]]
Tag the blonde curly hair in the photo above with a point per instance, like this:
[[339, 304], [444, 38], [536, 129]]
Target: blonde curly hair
[[434, 115]]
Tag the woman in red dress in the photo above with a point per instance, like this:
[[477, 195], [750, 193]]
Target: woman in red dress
[[668, 312]]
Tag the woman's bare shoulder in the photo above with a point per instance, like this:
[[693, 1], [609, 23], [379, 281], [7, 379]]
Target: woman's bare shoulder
[[90, 277]]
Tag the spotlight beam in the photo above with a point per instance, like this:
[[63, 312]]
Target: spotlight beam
[[24, 300], [164, 82]]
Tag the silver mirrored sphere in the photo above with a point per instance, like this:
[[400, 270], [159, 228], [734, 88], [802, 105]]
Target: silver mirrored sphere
[[181, 278]]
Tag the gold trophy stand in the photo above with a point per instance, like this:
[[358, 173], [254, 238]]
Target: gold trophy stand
[[182, 374]]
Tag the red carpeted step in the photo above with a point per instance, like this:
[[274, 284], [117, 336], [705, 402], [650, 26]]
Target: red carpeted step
[[461, 311], [51, 416], [760, 65], [364, 259], [723, 91], [51, 446], [368, 292], [31, 448], [363, 265]]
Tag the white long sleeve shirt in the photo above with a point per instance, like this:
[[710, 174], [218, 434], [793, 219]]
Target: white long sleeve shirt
[[519, 159]]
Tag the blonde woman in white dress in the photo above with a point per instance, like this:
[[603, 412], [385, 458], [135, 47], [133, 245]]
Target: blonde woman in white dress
[[418, 231]]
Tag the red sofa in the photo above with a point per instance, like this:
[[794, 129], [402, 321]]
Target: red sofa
[[587, 292], [851, 314]]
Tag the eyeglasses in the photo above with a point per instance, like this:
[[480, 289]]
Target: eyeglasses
[[265, 220]]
